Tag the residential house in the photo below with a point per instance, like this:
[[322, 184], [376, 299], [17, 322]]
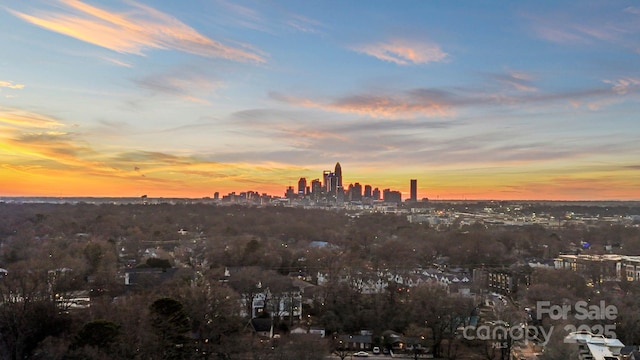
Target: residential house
[[262, 327], [284, 303], [357, 342], [307, 330]]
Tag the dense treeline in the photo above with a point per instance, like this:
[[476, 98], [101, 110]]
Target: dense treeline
[[194, 313]]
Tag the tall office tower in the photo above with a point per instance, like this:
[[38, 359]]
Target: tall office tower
[[302, 185], [376, 194], [414, 190], [338, 190], [356, 192], [326, 180], [316, 187], [333, 184], [338, 173], [367, 191]]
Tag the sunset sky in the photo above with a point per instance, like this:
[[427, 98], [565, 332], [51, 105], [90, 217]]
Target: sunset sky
[[475, 99]]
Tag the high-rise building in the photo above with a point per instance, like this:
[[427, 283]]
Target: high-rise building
[[367, 191], [316, 187], [338, 191], [302, 186], [376, 194], [414, 190], [290, 193], [356, 192], [333, 185], [391, 196], [326, 180]]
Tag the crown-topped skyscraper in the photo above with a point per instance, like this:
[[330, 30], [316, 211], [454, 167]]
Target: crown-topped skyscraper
[[338, 175]]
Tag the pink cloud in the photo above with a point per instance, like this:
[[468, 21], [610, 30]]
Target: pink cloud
[[139, 29], [376, 106], [404, 52]]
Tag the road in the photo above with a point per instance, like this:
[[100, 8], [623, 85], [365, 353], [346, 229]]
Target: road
[[379, 357]]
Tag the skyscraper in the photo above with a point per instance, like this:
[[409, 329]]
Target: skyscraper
[[367, 191], [339, 191], [376, 194], [316, 188], [356, 192], [302, 186], [326, 180], [414, 190]]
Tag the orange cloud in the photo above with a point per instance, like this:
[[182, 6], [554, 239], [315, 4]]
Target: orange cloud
[[377, 106], [390, 107], [56, 163], [135, 31], [25, 119], [404, 52]]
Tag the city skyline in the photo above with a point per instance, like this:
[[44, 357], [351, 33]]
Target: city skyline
[[330, 188], [523, 101]]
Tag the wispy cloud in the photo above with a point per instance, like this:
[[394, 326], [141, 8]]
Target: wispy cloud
[[59, 147], [520, 91], [566, 31], [189, 85], [302, 135], [633, 10], [558, 35], [244, 16], [304, 24], [517, 80], [404, 51], [37, 146], [618, 27], [135, 31], [624, 86], [431, 144], [26, 119], [50, 156], [10, 85], [117, 62], [373, 105]]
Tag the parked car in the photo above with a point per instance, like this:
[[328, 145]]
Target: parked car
[[361, 354], [376, 350]]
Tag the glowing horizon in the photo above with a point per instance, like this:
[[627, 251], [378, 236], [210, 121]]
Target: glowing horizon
[[480, 102]]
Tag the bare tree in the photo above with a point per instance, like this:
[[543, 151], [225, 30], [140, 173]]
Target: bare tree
[[432, 307]]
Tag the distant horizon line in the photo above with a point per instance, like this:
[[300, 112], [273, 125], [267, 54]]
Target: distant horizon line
[[2, 197]]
